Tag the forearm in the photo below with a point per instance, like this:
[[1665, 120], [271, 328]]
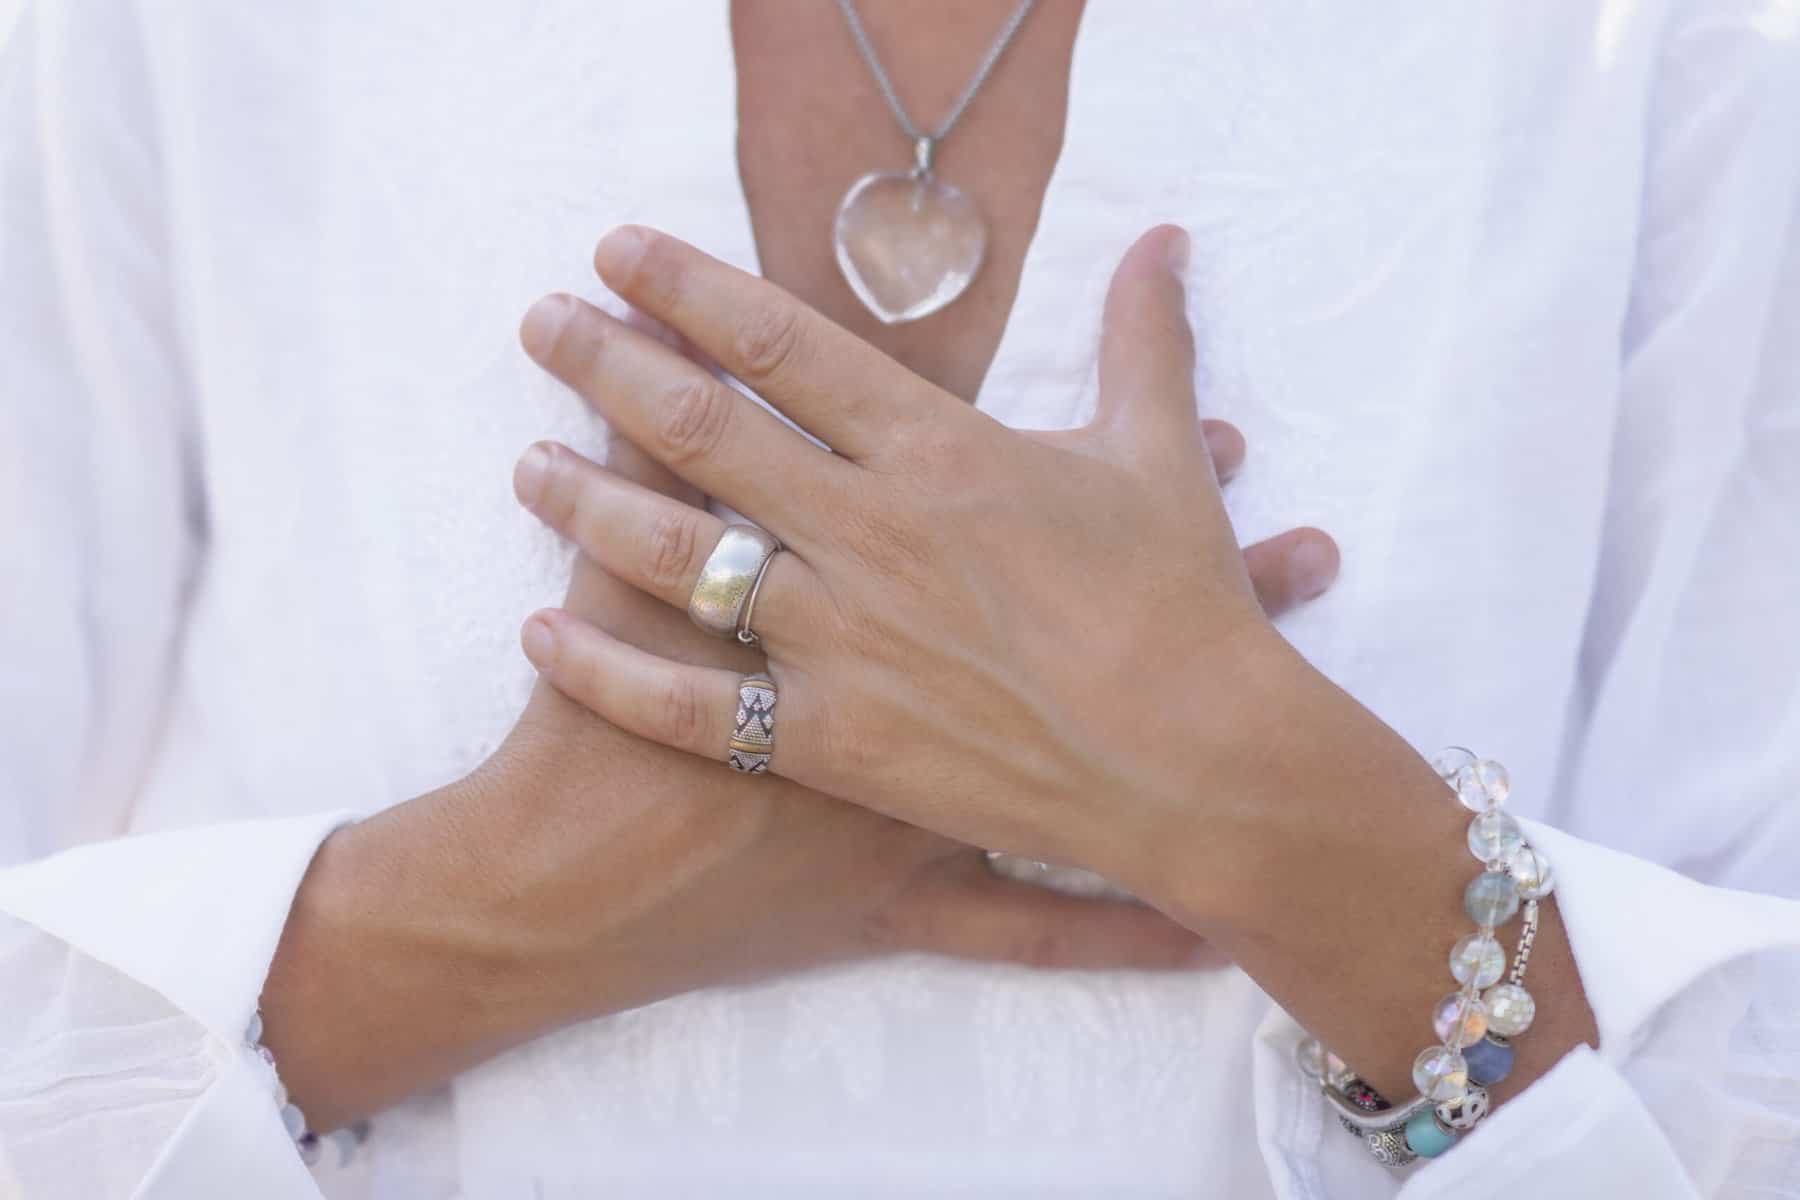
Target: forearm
[[443, 931], [1336, 879], [387, 979]]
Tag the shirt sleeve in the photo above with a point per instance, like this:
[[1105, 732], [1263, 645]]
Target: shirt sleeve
[[1674, 828], [1687, 750], [131, 966]]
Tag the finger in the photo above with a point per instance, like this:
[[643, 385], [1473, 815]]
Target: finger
[[1226, 445], [681, 705], [624, 457], [1147, 400], [626, 460], [627, 613], [703, 430], [968, 912], [655, 544], [630, 616], [1291, 568], [829, 381]]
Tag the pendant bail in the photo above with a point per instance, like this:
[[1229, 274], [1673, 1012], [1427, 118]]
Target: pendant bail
[[922, 150]]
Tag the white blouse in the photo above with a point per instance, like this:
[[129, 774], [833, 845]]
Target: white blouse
[[1505, 294]]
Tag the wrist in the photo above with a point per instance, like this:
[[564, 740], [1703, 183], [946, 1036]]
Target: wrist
[[1294, 781], [399, 964]]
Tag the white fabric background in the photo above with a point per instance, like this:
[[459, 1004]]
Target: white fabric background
[[1505, 296]]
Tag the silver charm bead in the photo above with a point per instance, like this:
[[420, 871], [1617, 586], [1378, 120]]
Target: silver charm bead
[[1464, 1113], [1389, 1148]]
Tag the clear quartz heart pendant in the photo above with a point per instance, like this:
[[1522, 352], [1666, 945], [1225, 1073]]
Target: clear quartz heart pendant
[[907, 242]]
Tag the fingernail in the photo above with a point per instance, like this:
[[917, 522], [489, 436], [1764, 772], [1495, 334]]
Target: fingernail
[[1315, 567], [1178, 247], [543, 321], [619, 251], [539, 641], [529, 475]]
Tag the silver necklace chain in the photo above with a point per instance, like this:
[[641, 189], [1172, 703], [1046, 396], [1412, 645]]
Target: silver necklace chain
[[922, 140]]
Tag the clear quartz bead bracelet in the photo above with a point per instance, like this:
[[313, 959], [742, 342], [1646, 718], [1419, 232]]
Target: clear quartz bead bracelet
[[1475, 1024]]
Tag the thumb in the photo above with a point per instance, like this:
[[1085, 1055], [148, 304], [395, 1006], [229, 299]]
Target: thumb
[[1147, 403]]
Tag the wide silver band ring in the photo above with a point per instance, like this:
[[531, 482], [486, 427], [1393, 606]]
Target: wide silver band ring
[[753, 737], [731, 573]]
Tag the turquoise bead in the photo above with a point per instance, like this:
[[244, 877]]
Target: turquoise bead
[[1489, 1061], [1425, 1137]]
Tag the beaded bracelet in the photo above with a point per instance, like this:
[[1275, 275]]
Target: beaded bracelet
[[311, 1145], [1474, 1026]]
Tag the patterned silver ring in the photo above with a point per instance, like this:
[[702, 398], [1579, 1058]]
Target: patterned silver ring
[[731, 571], [753, 740]]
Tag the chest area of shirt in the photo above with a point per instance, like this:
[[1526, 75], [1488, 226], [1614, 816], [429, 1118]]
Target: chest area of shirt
[[1385, 293]]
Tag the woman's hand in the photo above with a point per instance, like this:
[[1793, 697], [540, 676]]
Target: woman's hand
[[824, 880], [1042, 642], [583, 870], [1038, 642]]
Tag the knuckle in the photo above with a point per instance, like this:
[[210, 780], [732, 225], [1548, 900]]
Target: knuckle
[[670, 550], [767, 340], [681, 713], [693, 420]]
